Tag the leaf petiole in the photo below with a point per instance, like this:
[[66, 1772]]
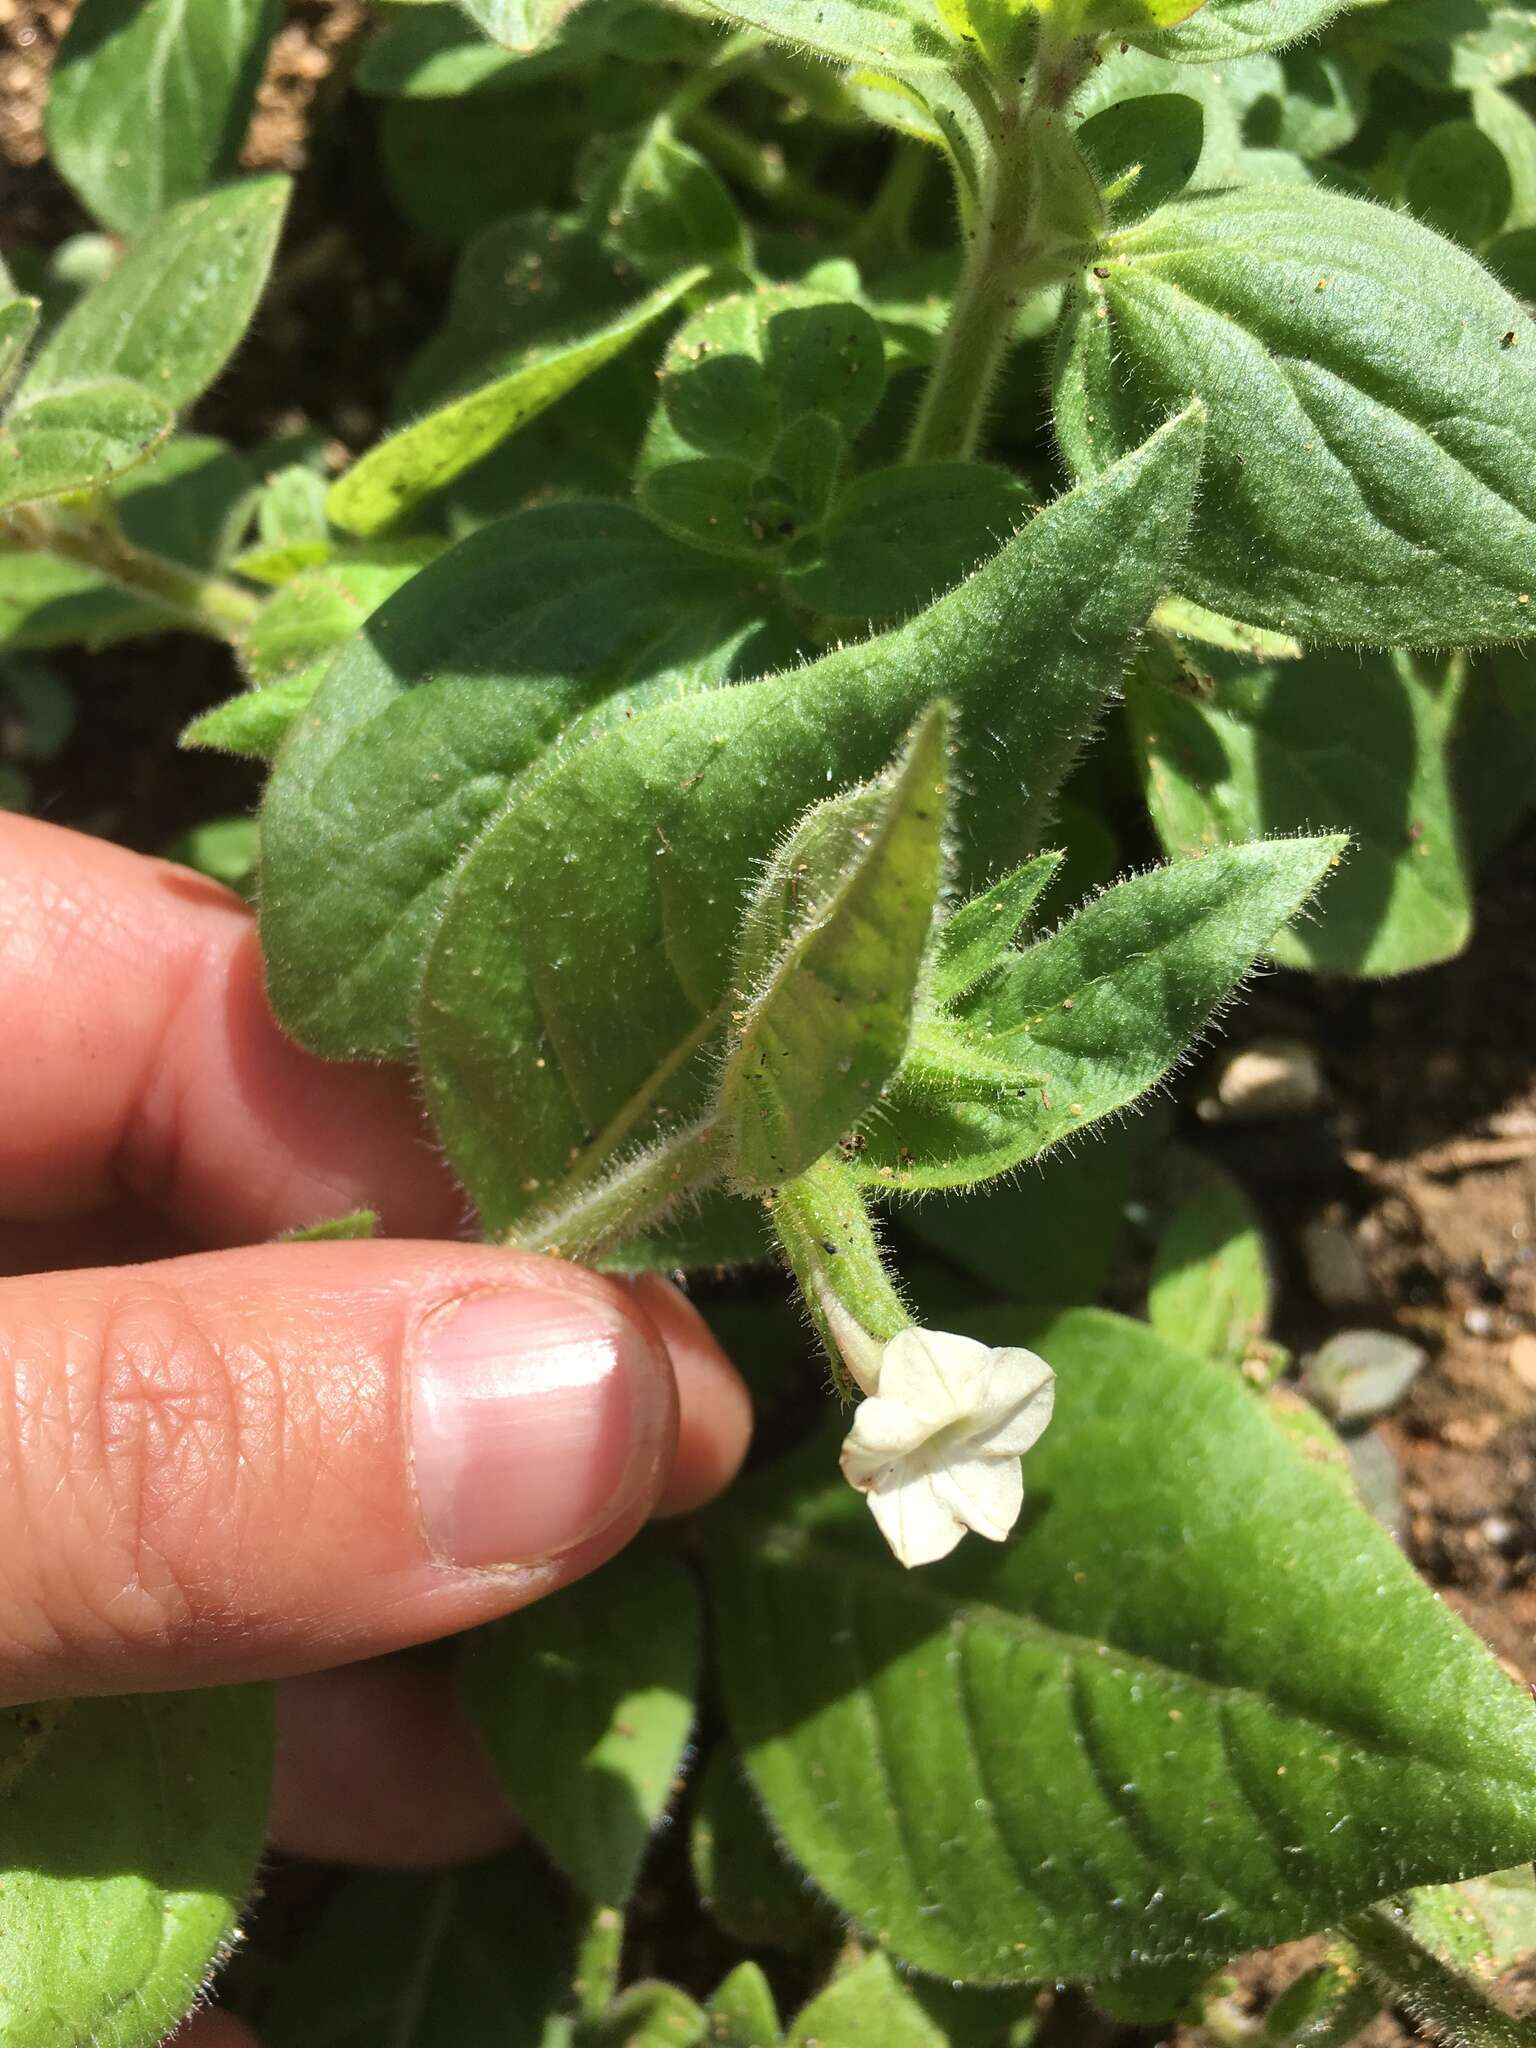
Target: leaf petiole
[[639, 1192], [211, 605]]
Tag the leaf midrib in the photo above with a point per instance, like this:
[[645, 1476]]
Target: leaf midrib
[[1285, 364]]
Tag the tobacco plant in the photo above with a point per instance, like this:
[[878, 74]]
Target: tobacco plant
[[678, 721]]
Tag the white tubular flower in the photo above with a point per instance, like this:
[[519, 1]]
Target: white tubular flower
[[936, 1447]]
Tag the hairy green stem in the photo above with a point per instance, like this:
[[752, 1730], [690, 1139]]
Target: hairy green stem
[[828, 1240], [637, 1193], [211, 605], [954, 403], [1035, 216], [986, 304]]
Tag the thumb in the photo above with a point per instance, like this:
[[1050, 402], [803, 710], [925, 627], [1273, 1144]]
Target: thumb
[[258, 1462]]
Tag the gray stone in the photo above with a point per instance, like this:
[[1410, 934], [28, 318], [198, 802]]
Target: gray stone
[[1361, 1374], [1272, 1077], [1376, 1481], [1335, 1266]]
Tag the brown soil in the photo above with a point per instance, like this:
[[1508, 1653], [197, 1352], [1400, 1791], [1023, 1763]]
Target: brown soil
[[304, 53], [1424, 1163], [29, 35]]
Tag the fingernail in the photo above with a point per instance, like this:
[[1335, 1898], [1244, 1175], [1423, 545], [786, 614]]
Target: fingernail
[[538, 1418]]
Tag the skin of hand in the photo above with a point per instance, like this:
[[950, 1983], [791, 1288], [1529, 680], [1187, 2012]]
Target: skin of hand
[[224, 1458]]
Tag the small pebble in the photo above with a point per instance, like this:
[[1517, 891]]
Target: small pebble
[[1336, 1269], [1361, 1374], [1375, 1474], [1522, 1360], [1273, 1077], [1499, 1532]]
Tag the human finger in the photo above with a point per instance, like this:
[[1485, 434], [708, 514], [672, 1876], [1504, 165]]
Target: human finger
[[378, 1764], [140, 1056], [252, 1463]]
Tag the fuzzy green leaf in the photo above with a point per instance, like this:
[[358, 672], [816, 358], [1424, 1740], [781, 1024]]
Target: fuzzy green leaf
[[584, 1701], [1372, 466], [901, 36], [257, 721], [1109, 1744], [522, 26], [824, 1021], [1452, 45], [129, 1835], [736, 382], [1045, 1238], [739, 372], [77, 439], [867, 2006], [174, 309], [748, 1886], [289, 647], [1457, 181], [538, 627], [1083, 1022], [1328, 2007], [18, 324], [1144, 150], [393, 478], [1224, 29], [649, 2016], [539, 1035], [1210, 1285], [895, 538], [742, 2013], [434, 53], [1505, 122], [1332, 741], [1482, 1927], [479, 1958], [979, 936], [666, 207], [301, 626], [150, 102]]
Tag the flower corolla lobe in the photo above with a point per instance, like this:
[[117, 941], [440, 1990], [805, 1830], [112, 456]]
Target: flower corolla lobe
[[936, 1446]]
